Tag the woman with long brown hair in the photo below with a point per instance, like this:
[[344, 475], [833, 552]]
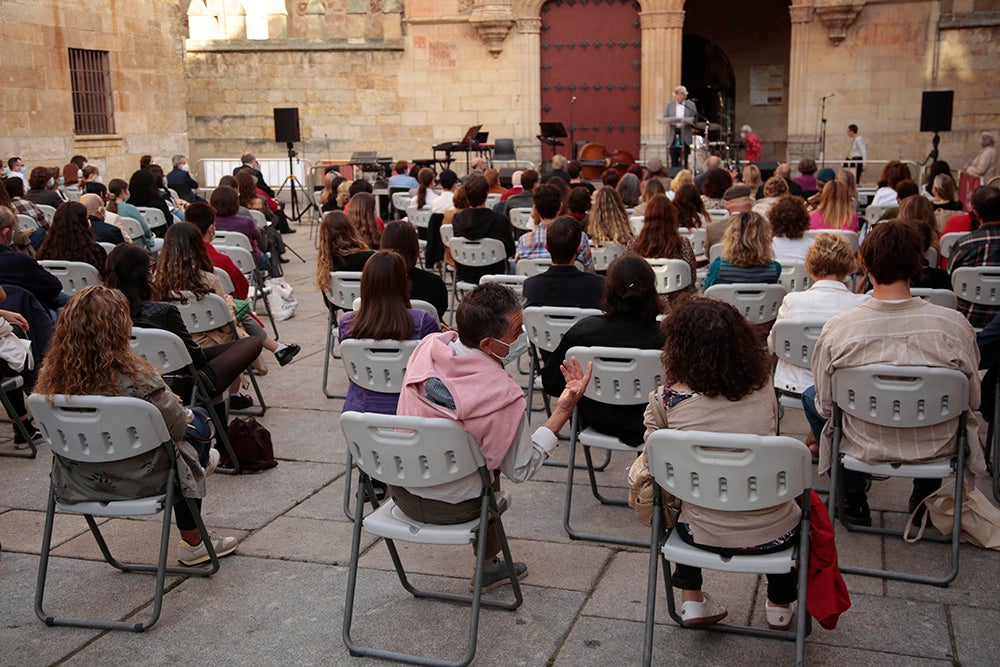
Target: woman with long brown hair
[[384, 314], [660, 239], [691, 213], [361, 211], [425, 195], [70, 238], [835, 210], [608, 221], [341, 248], [90, 354]]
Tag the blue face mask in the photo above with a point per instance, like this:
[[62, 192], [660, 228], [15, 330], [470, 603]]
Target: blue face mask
[[514, 350], [52, 181]]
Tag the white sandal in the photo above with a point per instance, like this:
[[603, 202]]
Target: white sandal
[[779, 617]]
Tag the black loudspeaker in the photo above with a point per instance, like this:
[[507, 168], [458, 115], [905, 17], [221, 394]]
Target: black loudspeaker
[[935, 111], [767, 169], [506, 177], [286, 126]]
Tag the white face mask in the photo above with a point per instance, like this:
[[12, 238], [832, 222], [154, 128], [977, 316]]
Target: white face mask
[[79, 174], [514, 349], [184, 167], [84, 166], [99, 179]]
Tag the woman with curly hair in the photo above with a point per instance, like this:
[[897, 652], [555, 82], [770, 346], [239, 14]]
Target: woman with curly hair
[[70, 238], [660, 239], [789, 222], [361, 212], [425, 195], [631, 306], [683, 177], [747, 254], [608, 221], [775, 188], [716, 378], [341, 248], [717, 181], [90, 355], [835, 210], [691, 213], [650, 189]]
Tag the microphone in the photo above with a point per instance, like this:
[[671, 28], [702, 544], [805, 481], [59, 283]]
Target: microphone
[[826, 97], [572, 101]]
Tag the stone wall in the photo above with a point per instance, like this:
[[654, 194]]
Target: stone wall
[[144, 39]]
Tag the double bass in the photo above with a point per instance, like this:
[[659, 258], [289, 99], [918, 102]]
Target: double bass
[[594, 158]]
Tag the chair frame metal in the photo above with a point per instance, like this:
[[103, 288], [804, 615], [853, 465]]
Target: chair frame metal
[[245, 262], [15, 383], [345, 287]]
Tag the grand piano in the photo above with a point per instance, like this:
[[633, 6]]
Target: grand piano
[[474, 141]]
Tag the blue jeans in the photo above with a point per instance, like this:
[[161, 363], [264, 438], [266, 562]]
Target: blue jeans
[[816, 422]]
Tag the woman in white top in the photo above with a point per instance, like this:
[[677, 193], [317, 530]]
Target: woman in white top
[[893, 172], [789, 221]]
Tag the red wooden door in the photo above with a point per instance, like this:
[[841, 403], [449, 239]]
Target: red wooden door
[[591, 50]]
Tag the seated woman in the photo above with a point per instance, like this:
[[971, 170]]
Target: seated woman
[[401, 237], [251, 199], [691, 213], [331, 182], [70, 238], [608, 221], [660, 239], [630, 306], [98, 360], [184, 265], [650, 188], [717, 181], [226, 202], [751, 177], [628, 188], [340, 248], [775, 188], [361, 212], [747, 254], [789, 222], [128, 272], [425, 194], [118, 204], [384, 314], [716, 379], [945, 193], [929, 276], [145, 193], [16, 359]]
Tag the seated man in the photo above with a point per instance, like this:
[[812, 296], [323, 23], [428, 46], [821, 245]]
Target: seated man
[[460, 375], [563, 284], [892, 328], [980, 248], [103, 232], [179, 179], [547, 202], [478, 222], [738, 200]]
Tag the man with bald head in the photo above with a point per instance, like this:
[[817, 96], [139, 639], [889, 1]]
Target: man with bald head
[[738, 200], [104, 232]]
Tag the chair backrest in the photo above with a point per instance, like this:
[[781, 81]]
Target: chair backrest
[[447, 234], [636, 222], [696, 236], [516, 283], [546, 325], [715, 252], [258, 217], [74, 276], [163, 349], [532, 267], [521, 219], [108, 246], [874, 212], [98, 429], [419, 217], [492, 200], [939, 297], [401, 200], [948, 242], [411, 452], [345, 287], [227, 282], [976, 284], [794, 340], [71, 194], [481, 252], [718, 214], [234, 239], [425, 306], [603, 255], [132, 228], [26, 223], [205, 314], [729, 471], [931, 256], [757, 302], [242, 258], [173, 194], [503, 149], [793, 276], [672, 275], [622, 375], [377, 365], [851, 236], [49, 211], [153, 217], [901, 396]]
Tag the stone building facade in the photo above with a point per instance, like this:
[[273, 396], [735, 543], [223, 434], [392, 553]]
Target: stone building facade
[[397, 76]]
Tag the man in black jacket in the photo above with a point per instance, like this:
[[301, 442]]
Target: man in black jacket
[[478, 222], [563, 284], [23, 271]]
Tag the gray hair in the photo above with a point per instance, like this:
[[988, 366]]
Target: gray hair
[[177, 159], [7, 218], [247, 158], [558, 161], [746, 128], [680, 89], [485, 313], [986, 138]]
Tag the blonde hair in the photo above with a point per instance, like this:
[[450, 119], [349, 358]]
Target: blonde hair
[[747, 240], [343, 193], [751, 177], [944, 186], [608, 221], [847, 177], [835, 203], [683, 177], [830, 255]]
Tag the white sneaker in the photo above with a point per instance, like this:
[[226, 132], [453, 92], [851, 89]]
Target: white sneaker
[[213, 461], [193, 555], [779, 617], [697, 614]]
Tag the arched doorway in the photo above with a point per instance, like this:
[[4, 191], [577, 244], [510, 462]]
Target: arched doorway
[[709, 78], [590, 68]]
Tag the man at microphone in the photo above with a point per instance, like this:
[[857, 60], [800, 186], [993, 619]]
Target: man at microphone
[[679, 108]]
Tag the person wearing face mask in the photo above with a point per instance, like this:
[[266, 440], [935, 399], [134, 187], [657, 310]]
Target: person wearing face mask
[[40, 191], [179, 179], [631, 305], [460, 375], [248, 160], [15, 167]]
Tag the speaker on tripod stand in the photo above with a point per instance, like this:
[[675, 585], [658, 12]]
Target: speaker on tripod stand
[[935, 116], [286, 131]]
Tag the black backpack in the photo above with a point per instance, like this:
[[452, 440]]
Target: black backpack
[[252, 445]]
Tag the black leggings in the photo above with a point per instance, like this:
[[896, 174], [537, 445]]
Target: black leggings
[[225, 362]]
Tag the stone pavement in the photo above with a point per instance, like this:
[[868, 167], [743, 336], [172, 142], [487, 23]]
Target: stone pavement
[[280, 598]]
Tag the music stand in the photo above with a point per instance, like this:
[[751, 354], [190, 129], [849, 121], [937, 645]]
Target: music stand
[[551, 133]]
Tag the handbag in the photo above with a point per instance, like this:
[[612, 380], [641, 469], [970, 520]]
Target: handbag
[[980, 517], [251, 443], [640, 482]]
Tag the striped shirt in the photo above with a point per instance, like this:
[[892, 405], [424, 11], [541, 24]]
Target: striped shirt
[[901, 333], [723, 272], [980, 248]]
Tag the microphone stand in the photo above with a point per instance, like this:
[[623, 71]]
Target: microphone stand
[[572, 127], [822, 131]]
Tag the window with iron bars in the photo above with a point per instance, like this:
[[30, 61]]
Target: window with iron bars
[[93, 106]]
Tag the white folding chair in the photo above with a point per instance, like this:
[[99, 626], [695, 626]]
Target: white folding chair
[[939, 297], [345, 287], [49, 211], [793, 340], [737, 473], [757, 302], [492, 200], [604, 254], [874, 212], [245, 262], [419, 217], [99, 429], [621, 376], [375, 365], [697, 237], [976, 284], [897, 398], [515, 283], [472, 254], [153, 217], [167, 354], [447, 233], [132, 228], [259, 218], [532, 267], [672, 275], [793, 276], [636, 222], [414, 453], [26, 223], [74, 276], [233, 239], [520, 218], [227, 282], [718, 214], [948, 242], [846, 233], [401, 201], [714, 252], [108, 247], [210, 312]]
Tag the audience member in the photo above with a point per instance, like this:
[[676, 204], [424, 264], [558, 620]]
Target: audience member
[[845, 176], [980, 248], [400, 179], [660, 239], [478, 222], [945, 193], [362, 215], [610, 177], [738, 200], [712, 162], [690, 209], [751, 177], [906, 188], [180, 179], [443, 201], [747, 253], [985, 164], [71, 239], [789, 223], [492, 177], [893, 172], [144, 192], [515, 187], [17, 170], [425, 195], [578, 205], [562, 284], [103, 231], [341, 248], [18, 360], [717, 181], [774, 189], [650, 189], [656, 171], [526, 197], [226, 203], [15, 189], [835, 210], [118, 204], [928, 276], [328, 198], [628, 188], [41, 190], [21, 270], [548, 205], [202, 215], [401, 237], [682, 178], [559, 164], [937, 167], [807, 177], [248, 161], [70, 180], [608, 222]]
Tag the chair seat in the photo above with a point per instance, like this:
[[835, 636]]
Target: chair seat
[[591, 438], [929, 470], [790, 400], [390, 522], [677, 550], [137, 506]]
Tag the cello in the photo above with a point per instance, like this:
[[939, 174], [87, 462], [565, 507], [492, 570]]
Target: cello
[[594, 158], [621, 161]]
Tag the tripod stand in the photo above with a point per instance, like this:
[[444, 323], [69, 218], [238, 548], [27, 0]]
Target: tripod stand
[[290, 182]]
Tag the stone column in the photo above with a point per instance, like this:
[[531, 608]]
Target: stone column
[[662, 36], [802, 112], [527, 43]]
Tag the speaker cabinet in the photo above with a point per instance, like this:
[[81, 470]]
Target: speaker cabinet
[[286, 125], [767, 169], [935, 111]]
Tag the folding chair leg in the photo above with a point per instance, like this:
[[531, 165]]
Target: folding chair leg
[[348, 480], [614, 502], [331, 339], [14, 384], [655, 539], [995, 440], [262, 405], [258, 287]]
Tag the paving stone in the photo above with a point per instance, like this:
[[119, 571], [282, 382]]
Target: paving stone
[[306, 435], [24, 483], [309, 540], [22, 530], [976, 638]]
